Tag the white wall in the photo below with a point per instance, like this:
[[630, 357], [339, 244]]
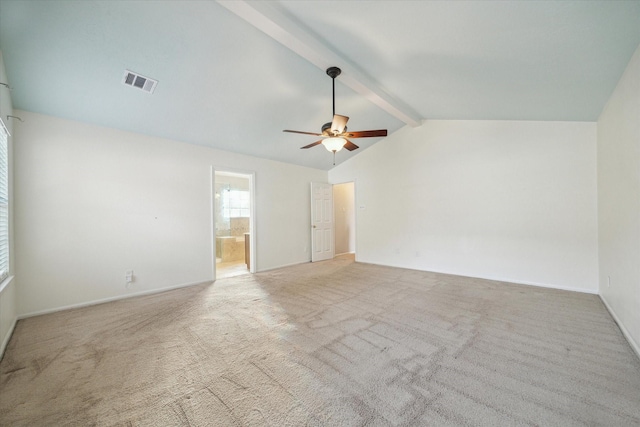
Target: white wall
[[619, 202], [8, 299], [505, 200], [344, 218], [93, 202]]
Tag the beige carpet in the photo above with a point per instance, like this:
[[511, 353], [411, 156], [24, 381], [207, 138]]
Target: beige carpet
[[328, 344]]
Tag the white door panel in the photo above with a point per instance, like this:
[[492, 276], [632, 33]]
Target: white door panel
[[321, 221]]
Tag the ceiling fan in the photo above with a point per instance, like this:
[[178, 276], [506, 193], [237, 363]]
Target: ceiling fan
[[334, 134]]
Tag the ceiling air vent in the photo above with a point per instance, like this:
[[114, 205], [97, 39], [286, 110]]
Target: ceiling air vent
[[141, 82]]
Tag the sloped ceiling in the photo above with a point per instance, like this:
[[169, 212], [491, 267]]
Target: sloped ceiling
[[226, 79]]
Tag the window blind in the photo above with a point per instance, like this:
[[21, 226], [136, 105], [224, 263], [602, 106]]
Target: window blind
[[4, 203]]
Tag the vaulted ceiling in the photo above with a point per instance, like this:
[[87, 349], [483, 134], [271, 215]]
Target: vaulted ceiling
[[233, 74]]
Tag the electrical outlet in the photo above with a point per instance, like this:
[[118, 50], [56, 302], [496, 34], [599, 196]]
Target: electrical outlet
[[128, 277], [608, 281]]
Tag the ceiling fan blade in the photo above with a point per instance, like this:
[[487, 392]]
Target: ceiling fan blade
[[339, 123], [366, 133], [304, 133], [313, 144], [350, 145]]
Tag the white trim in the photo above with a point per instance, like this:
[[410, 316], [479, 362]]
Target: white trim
[[214, 253], [5, 283], [540, 285], [7, 338], [293, 264], [110, 299], [356, 209], [496, 279], [634, 345], [253, 248]]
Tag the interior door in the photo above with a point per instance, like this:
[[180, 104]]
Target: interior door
[[321, 221]]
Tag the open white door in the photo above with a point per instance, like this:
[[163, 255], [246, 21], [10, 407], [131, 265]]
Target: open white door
[[321, 221]]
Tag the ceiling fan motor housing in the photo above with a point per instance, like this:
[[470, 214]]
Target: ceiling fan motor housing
[[326, 129]]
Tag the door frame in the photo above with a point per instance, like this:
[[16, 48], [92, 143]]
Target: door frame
[[252, 214]]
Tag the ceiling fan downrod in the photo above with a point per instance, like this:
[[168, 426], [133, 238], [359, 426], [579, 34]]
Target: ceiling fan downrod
[[334, 72]]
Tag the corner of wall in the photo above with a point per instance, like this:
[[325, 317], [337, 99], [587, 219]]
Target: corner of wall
[[632, 342], [618, 174]]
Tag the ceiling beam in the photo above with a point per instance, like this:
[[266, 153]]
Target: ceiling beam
[[288, 32]]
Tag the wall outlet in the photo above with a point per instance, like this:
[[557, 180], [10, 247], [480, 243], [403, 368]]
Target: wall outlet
[[608, 281], [128, 277]]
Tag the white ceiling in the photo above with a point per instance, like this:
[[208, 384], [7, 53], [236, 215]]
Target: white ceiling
[[226, 79]]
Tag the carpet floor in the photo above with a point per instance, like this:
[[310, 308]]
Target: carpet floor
[[335, 343]]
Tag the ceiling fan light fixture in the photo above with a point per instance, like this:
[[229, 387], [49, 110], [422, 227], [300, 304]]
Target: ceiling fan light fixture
[[334, 144]]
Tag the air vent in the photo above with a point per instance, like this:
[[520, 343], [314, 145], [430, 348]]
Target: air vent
[[141, 82]]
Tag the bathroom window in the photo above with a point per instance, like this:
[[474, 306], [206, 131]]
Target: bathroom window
[[235, 204]]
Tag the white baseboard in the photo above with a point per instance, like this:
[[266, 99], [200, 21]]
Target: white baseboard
[[7, 337], [344, 253], [544, 285], [496, 279], [283, 266], [634, 345], [110, 299]]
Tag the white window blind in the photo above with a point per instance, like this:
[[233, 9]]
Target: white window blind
[[4, 203]]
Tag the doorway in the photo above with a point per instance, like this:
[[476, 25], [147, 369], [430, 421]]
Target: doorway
[[233, 224], [344, 218]]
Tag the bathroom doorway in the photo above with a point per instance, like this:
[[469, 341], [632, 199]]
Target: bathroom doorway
[[233, 224]]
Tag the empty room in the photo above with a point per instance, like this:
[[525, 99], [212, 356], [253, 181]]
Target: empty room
[[323, 213]]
